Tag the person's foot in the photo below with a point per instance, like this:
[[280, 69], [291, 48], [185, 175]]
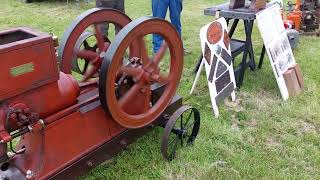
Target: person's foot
[[186, 51]]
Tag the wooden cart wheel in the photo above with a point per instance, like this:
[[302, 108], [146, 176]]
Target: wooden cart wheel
[[75, 41], [181, 129], [132, 107]]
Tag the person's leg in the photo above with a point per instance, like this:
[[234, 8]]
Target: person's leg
[[175, 7], [159, 9], [119, 5], [105, 4]]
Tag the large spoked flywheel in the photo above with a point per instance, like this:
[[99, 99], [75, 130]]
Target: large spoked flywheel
[[125, 84], [85, 42]]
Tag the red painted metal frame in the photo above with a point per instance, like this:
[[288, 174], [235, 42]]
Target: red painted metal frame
[[81, 136]]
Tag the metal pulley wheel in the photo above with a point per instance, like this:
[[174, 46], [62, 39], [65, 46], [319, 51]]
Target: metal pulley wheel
[[181, 130], [85, 40], [131, 106]]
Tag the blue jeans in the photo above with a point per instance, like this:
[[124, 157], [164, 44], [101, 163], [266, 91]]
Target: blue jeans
[[159, 9]]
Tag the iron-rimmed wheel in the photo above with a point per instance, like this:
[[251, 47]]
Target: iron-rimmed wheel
[[69, 49], [159, 69], [181, 129]]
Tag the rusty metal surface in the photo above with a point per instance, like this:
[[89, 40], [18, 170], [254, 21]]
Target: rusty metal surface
[[145, 74], [214, 33], [226, 39], [213, 68], [207, 54]]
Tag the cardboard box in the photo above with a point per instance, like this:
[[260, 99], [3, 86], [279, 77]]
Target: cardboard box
[[299, 75], [294, 80]]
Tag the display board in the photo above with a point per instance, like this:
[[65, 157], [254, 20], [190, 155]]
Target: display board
[[215, 44], [277, 44]]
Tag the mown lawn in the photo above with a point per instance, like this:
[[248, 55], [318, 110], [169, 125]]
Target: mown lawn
[[258, 137]]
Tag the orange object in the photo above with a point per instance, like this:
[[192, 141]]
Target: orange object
[[295, 16]]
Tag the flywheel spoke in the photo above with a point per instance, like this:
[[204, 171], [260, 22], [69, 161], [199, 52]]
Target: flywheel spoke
[[99, 36], [163, 79], [144, 53], [160, 54], [87, 54], [128, 97], [85, 67], [91, 72]]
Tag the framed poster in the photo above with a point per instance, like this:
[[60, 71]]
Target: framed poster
[[217, 59], [277, 45]]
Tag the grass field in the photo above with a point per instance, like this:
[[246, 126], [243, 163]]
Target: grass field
[[258, 137]]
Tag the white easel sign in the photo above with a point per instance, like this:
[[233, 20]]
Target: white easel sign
[[277, 44], [217, 59]]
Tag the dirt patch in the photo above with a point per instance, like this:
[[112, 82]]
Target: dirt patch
[[235, 123], [252, 123], [305, 128], [237, 105], [272, 143]]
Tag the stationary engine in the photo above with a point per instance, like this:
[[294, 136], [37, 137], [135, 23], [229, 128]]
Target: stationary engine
[[305, 16], [69, 125]]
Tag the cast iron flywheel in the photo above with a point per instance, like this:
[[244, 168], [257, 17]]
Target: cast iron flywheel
[[75, 41], [125, 85]]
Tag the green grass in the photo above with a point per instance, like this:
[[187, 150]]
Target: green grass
[[260, 136]]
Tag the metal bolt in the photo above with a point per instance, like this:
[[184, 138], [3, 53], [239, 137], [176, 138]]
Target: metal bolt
[[102, 54], [143, 90], [29, 174], [123, 142], [10, 154], [89, 163]]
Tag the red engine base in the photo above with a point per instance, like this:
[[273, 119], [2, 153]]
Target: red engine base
[[73, 144]]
